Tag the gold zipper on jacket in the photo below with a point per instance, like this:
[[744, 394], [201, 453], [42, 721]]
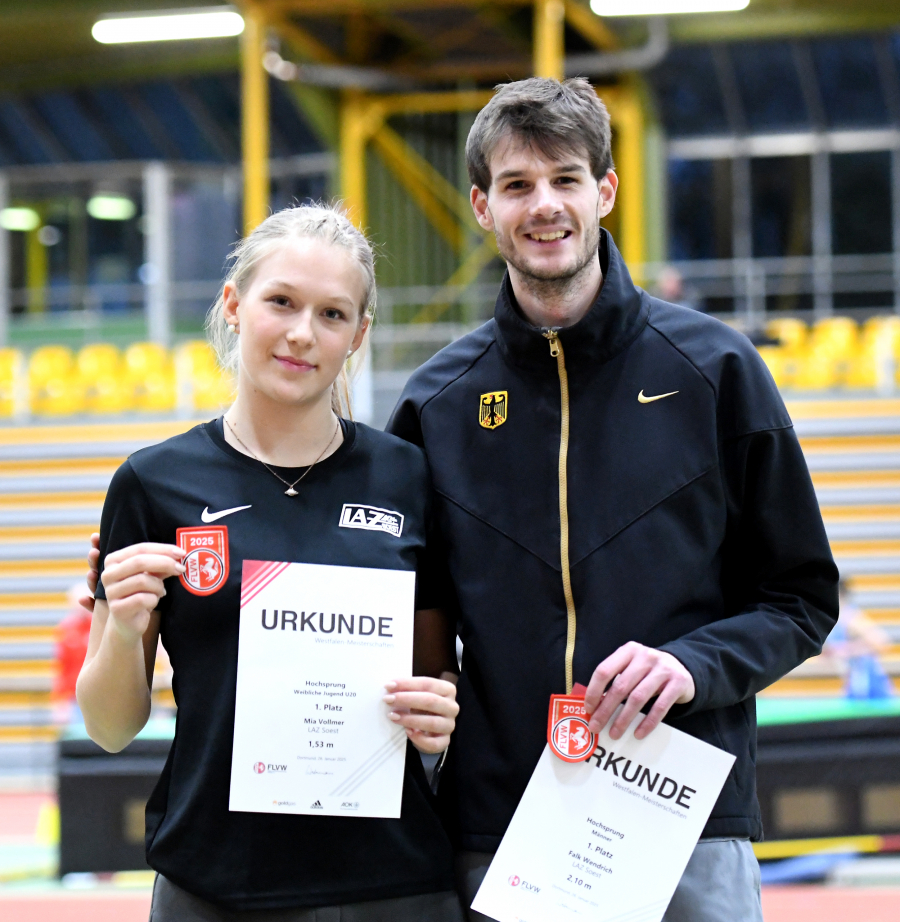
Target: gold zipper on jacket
[[556, 351]]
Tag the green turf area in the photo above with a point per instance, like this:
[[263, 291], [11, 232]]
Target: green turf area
[[773, 711]]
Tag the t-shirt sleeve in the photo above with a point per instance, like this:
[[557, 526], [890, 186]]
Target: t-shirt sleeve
[[127, 517]]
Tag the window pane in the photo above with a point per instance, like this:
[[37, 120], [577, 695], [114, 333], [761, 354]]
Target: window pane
[[849, 82], [689, 99], [861, 202], [700, 209], [769, 86], [780, 190]]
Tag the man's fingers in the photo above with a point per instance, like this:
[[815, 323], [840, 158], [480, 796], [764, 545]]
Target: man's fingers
[[614, 664], [661, 707], [638, 697], [621, 688]]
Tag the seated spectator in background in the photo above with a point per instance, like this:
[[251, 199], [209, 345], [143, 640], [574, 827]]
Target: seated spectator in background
[[857, 641], [670, 287]]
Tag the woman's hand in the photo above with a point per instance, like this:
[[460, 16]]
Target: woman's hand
[[93, 573], [133, 580], [426, 708]]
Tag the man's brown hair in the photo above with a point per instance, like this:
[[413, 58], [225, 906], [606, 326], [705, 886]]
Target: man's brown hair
[[553, 117]]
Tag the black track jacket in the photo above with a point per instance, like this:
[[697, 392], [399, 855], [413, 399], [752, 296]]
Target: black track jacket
[[693, 528]]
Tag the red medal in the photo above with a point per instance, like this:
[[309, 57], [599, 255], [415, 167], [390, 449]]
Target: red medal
[[567, 727], [206, 562]]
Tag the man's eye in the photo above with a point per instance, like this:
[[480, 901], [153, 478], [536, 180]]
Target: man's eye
[[516, 186], [567, 179]]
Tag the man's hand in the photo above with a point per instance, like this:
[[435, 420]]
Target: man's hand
[[426, 708], [637, 674]]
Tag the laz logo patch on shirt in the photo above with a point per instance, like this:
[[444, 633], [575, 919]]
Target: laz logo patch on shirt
[[206, 563], [371, 519]]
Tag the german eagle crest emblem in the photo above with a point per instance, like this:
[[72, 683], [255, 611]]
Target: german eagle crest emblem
[[493, 408]]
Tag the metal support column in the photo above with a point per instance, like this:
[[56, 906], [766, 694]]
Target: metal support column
[[823, 298], [254, 119], [355, 133], [157, 254], [742, 234], [549, 39], [628, 120], [5, 266]]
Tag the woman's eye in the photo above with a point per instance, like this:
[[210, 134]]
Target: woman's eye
[[280, 300], [332, 313]]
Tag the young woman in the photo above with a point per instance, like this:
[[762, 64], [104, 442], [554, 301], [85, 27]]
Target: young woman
[[280, 464]]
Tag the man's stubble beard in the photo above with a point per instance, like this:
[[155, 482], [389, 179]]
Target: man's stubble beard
[[554, 284]]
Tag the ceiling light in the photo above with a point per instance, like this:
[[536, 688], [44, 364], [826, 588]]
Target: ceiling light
[[169, 25], [111, 207], [19, 219], [665, 7]]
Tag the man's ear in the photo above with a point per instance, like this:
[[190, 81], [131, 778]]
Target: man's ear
[[607, 188], [479, 202]]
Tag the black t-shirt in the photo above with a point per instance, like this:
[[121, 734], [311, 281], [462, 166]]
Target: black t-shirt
[[260, 860]]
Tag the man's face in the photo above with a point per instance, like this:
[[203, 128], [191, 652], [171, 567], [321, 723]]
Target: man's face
[[545, 213]]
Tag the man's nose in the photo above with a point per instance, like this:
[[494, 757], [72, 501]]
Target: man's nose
[[545, 201]]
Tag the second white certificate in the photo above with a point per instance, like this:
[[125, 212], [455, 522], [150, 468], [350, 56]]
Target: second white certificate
[[311, 732]]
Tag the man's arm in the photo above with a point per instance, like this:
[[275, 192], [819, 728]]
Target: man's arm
[[780, 590]]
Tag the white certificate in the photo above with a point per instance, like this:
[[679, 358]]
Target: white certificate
[[311, 731], [605, 840]]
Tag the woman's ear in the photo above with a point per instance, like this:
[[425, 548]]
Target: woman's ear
[[230, 304], [364, 325]]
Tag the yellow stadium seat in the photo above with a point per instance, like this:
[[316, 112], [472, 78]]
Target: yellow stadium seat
[[197, 354], [775, 360], [106, 388], [142, 358], [99, 359], [839, 335], [213, 390], [817, 371], [789, 331], [12, 365], [54, 383]]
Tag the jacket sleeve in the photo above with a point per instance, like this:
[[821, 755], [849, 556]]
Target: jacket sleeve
[[404, 421], [779, 579]]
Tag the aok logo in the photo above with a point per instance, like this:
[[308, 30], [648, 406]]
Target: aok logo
[[350, 805]]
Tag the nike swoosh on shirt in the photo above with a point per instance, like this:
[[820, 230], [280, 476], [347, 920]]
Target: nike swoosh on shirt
[[643, 399], [208, 516]]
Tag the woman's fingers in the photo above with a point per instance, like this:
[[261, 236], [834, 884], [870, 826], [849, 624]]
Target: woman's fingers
[[426, 708], [139, 583], [160, 565]]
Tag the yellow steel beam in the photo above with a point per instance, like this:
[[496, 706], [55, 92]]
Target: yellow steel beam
[[591, 26], [37, 272], [468, 271], [305, 44], [549, 39], [627, 116], [410, 171], [254, 118], [359, 121], [452, 101], [336, 7]]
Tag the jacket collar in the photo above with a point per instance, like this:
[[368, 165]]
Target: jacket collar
[[614, 320]]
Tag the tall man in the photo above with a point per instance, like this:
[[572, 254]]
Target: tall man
[[622, 498]]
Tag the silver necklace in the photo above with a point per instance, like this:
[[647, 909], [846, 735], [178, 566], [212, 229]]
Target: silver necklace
[[290, 491]]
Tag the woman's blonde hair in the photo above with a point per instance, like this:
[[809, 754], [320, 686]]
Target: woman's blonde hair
[[328, 223]]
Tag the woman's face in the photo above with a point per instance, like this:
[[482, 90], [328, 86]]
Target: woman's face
[[297, 321]]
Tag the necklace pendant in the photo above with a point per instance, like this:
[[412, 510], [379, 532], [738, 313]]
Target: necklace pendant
[[290, 491]]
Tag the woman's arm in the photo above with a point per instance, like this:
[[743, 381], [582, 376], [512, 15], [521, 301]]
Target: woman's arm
[[113, 688]]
